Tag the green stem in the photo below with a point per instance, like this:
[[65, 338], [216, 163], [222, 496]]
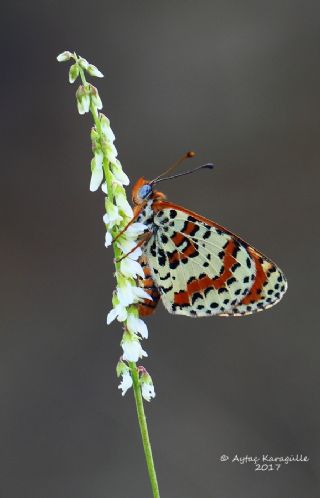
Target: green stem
[[144, 430]]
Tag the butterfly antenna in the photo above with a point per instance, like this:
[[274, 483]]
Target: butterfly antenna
[[208, 166], [174, 165]]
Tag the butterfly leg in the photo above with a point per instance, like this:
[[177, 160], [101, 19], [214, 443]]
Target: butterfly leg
[[136, 214], [147, 307]]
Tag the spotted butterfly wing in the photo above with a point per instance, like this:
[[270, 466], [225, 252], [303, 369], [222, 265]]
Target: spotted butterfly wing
[[199, 268]]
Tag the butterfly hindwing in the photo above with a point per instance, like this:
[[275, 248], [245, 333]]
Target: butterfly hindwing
[[202, 269]]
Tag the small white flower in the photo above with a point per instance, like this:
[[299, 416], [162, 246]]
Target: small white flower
[[96, 173], [136, 229], [128, 293], [94, 71], [119, 174], [106, 129], [108, 239], [98, 156], [111, 152], [147, 391], [118, 312], [112, 216], [127, 245], [137, 326], [140, 294], [130, 268], [83, 101], [125, 294], [132, 350], [83, 104], [126, 382], [124, 205], [64, 56], [104, 188], [83, 63], [95, 97]]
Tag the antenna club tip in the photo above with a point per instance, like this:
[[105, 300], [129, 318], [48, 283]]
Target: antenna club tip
[[190, 153]]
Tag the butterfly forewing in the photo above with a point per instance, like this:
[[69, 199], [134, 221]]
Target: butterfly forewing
[[202, 269]]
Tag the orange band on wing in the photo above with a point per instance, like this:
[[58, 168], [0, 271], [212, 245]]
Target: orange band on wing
[[255, 292], [201, 284]]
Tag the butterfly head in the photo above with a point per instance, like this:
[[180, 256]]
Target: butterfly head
[[143, 190]]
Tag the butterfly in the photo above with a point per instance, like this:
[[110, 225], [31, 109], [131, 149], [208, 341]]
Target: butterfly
[[195, 266]]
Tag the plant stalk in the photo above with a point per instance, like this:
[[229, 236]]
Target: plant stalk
[[144, 431]]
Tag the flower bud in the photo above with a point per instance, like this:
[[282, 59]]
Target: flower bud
[[83, 100], [94, 71], [104, 188], [147, 387], [95, 97], [96, 175], [83, 63], [121, 367], [119, 175], [108, 134], [121, 200], [64, 56], [112, 216], [73, 73], [94, 138]]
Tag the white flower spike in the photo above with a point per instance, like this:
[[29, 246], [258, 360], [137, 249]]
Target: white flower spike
[[107, 173], [123, 236]]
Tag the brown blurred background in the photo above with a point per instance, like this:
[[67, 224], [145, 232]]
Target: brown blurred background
[[238, 82]]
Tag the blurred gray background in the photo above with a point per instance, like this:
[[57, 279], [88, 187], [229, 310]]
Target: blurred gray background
[[238, 82]]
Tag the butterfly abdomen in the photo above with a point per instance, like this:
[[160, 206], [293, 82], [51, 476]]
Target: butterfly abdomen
[[147, 307]]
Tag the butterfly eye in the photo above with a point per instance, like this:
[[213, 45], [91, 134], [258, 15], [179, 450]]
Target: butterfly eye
[[145, 191]]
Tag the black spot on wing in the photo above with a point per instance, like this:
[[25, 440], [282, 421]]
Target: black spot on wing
[[165, 277], [161, 257], [196, 296]]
